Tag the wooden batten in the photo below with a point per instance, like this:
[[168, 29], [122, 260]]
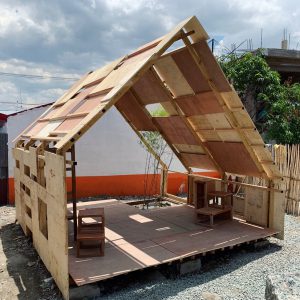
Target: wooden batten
[[175, 198], [163, 182]]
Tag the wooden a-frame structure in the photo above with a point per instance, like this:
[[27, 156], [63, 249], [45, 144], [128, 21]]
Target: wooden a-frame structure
[[207, 127]]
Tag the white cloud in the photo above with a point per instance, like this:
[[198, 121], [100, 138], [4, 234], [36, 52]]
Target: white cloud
[[130, 6], [69, 38]]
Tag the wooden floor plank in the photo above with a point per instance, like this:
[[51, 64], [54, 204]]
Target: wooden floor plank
[[137, 239]]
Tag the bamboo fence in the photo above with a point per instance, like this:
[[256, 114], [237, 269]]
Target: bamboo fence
[[287, 158]]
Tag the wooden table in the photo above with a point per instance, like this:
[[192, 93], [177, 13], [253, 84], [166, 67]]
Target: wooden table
[[91, 231], [212, 212]]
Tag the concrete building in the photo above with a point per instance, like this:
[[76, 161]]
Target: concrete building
[[286, 62], [3, 160]]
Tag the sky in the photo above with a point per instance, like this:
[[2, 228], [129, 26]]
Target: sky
[[70, 37]]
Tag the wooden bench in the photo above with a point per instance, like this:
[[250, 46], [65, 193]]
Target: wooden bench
[[93, 231], [226, 199]]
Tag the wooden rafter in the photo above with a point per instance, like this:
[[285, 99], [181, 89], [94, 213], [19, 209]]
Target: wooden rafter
[[185, 120]]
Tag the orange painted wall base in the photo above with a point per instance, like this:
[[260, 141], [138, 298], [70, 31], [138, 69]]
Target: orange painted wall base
[[121, 185]]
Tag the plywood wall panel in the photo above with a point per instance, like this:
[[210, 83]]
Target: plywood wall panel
[[200, 122], [256, 206], [210, 135], [243, 119], [196, 149], [229, 135], [72, 104], [89, 104], [129, 106], [198, 161], [232, 99], [218, 121], [176, 130], [53, 247], [172, 76], [149, 90], [68, 124], [199, 104], [191, 71], [36, 128], [125, 71], [233, 158], [212, 67], [253, 137], [51, 126]]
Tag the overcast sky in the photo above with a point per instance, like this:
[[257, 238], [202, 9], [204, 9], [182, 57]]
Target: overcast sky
[[67, 38]]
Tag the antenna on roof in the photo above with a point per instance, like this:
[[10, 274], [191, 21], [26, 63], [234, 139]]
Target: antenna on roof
[[284, 42]]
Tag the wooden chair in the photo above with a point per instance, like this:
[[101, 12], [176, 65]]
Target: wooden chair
[[91, 232], [220, 199], [221, 204]]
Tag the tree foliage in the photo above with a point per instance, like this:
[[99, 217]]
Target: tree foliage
[[273, 106]]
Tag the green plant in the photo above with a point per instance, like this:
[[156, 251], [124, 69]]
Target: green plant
[[273, 106]]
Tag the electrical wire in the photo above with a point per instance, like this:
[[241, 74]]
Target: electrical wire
[[37, 76], [19, 103]]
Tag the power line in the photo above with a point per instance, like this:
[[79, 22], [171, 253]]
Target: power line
[[37, 76], [16, 103], [7, 110]]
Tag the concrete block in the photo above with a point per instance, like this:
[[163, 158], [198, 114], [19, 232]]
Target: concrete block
[[190, 266], [85, 292], [261, 244]]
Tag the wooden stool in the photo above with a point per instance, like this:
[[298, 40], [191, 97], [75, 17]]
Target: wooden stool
[[91, 231]]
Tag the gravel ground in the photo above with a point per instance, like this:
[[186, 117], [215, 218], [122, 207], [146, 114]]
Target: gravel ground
[[22, 273], [234, 275]]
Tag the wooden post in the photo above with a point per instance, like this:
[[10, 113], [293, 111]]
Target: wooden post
[[190, 197], [277, 207], [163, 182], [74, 201]]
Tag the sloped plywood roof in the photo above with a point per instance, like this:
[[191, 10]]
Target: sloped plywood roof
[[207, 125]]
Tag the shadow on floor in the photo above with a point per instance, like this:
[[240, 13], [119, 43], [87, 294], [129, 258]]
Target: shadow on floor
[[213, 266]]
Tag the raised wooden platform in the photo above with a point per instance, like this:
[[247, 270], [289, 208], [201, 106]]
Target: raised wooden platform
[[137, 239]]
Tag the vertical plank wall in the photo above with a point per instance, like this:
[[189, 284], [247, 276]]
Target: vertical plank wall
[[287, 158]]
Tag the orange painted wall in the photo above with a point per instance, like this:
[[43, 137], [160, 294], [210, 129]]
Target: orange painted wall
[[120, 185]]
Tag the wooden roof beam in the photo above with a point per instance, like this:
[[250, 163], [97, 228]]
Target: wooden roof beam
[[144, 141], [185, 120], [159, 129]]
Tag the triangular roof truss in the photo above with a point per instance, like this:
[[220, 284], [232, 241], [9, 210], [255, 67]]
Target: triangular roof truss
[[207, 125]]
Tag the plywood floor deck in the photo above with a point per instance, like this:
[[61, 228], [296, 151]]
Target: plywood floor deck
[[137, 239]]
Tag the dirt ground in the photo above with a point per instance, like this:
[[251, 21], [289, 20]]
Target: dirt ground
[[22, 273]]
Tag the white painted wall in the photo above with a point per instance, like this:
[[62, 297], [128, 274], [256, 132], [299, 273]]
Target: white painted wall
[[110, 147]]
